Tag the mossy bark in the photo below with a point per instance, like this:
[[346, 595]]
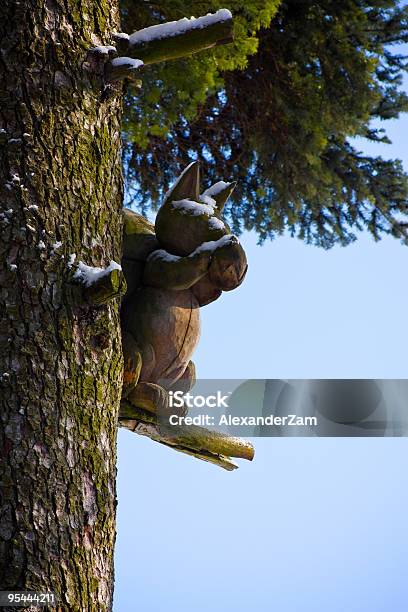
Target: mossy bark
[[60, 359]]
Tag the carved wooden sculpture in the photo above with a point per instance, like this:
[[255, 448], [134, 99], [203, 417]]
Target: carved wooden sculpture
[[173, 268]]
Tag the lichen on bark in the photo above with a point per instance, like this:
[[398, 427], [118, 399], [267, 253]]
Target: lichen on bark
[[61, 364]]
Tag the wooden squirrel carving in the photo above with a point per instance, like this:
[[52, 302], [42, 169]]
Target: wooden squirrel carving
[[185, 261]]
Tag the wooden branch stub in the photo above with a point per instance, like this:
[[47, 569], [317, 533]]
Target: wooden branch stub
[[121, 68], [151, 431], [121, 40], [159, 43], [106, 288], [173, 40], [199, 442], [182, 45]]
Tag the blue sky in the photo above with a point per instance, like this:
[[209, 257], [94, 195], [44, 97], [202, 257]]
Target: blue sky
[[312, 524]]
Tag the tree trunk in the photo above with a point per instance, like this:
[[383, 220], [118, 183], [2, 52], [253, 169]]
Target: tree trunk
[[61, 364]]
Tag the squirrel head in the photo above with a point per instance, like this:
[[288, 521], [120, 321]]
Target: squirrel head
[[187, 218]]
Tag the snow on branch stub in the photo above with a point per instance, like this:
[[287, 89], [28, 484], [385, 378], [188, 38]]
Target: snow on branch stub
[[100, 285], [171, 40]]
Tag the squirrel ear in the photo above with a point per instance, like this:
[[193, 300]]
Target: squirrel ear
[[220, 192], [187, 185]]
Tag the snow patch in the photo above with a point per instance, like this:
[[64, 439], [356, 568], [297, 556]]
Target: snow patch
[[71, 260], [121, 35], [189, 207], [162, 255], [216, 224], [88, 275], [215, 189], [127, 61], [205, 199], [215, 244], [208, 196], [176, 28]]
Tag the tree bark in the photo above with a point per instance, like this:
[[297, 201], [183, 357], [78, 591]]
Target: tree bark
[[60, 354], [61, 363]]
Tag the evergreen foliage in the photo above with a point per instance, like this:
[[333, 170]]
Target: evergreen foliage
[[279, 111]]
